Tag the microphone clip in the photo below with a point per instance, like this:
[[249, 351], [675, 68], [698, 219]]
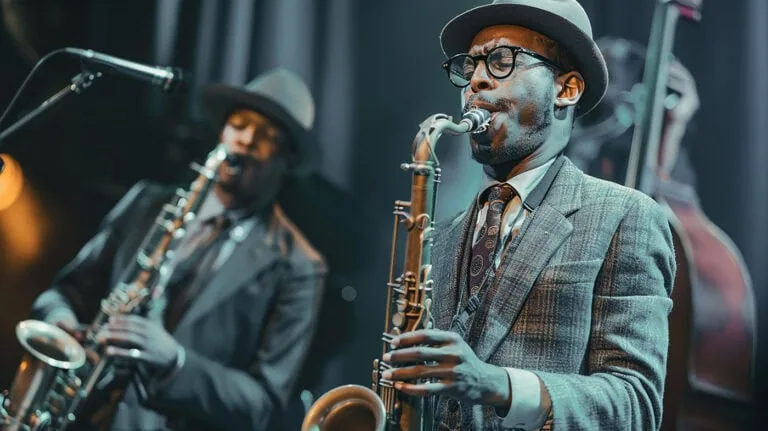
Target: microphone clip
[[84, 80]]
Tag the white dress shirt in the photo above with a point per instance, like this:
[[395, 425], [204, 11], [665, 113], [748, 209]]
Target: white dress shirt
[[529, 406]]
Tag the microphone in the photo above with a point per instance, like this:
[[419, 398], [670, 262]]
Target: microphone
[[167, 78], [475, 120]]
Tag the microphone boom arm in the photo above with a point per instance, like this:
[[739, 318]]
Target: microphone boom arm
[[80, 82]]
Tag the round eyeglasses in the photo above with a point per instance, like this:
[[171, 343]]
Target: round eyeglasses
[[500, 62]]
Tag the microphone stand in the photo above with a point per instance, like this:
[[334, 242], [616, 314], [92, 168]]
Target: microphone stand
[[80, 82]]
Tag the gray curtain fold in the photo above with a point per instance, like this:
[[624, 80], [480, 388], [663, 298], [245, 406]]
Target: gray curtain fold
[[754, 156]]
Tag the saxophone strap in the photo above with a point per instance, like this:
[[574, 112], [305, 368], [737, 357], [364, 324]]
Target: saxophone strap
[[462, 319]]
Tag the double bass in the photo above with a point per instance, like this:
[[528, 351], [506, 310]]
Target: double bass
[[712, 338]]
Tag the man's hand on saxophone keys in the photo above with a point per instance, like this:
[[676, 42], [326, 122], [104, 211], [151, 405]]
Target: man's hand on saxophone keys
[[454, 369], [137, 340]]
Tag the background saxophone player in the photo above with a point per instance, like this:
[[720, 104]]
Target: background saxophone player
[[225, 345], [551, 291]]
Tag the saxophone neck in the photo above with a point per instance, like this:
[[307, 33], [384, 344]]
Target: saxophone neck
[[426, 139]]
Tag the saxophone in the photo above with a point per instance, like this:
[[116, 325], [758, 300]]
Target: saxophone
[[409, 297], [55, 376]]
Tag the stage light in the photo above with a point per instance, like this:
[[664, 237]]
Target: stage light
[[11, 181], [23, 223]]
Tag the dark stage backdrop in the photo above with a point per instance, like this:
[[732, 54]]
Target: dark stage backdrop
[[374, 68]]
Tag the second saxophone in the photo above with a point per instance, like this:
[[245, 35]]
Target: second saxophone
[[55, 380]]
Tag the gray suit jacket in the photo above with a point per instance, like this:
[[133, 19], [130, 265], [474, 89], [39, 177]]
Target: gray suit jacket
[[581, 299], [246, 334]]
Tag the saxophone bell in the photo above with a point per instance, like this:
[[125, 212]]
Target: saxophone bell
[[54, 381], [348, 407], [44, 375]]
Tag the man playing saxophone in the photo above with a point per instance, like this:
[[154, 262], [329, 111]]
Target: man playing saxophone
[[223, 347], [551, 291]]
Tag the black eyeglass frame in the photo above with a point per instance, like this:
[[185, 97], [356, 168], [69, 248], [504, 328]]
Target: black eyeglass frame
[[515, 51]]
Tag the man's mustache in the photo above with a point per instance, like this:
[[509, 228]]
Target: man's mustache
[[477, 101]]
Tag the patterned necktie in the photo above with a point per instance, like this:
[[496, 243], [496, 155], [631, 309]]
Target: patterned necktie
[[483, 251]]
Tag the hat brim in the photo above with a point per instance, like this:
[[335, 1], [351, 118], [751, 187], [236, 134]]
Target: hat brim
[[457, 36], [220, 100]]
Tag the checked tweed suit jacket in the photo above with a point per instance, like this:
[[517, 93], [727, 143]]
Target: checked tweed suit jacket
[[581, 298]]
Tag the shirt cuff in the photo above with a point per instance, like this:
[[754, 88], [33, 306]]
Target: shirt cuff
[[60, 313], [526, 411]]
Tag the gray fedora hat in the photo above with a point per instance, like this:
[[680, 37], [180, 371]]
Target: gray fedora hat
[[563, 21], [280, 95]]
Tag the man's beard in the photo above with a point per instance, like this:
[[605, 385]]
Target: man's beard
[[257, 184], [487, 152]]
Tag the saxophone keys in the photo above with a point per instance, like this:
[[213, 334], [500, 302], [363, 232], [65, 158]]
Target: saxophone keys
[[398, 319], [401, 305], [168, 225], [70, 392], [172, 210], [178, 234], [197, 167], [145, 262]]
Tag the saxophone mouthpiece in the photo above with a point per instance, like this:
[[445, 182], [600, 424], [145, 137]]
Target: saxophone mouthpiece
[[234, 164], [476, 119]]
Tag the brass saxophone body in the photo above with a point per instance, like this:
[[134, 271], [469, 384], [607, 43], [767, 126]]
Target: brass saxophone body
[[409, 297], [55, 377]]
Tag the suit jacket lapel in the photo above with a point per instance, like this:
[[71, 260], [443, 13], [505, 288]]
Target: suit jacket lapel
[[246, 259], [446, 265], [541, 235]]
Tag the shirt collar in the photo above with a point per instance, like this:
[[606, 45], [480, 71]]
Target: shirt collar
[[523, 183], [212, 208]]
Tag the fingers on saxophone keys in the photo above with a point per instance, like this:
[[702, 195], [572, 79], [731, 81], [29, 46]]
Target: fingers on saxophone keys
[[389, 338], [417, 372], [418, 354], [107, 336], [422, 390], [129, 322], [119, 352], [387, 383]]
